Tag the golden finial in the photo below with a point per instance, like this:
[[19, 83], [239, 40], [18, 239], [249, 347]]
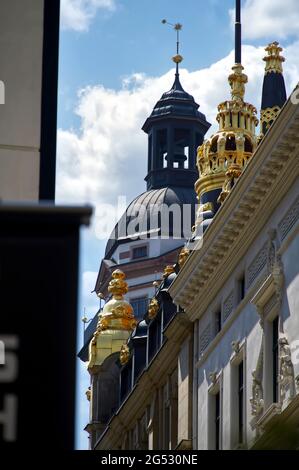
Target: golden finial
[[124, 354], [237, 81], [273, 60], [118, 286], [117, 314], [183, 255], [177, 59], [153, 308], [169, 269]]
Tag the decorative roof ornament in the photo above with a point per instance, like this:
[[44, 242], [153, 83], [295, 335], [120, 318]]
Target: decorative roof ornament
[[274, 92], [183, 255], [177, 59], [169, 269], [124, 354], [116, 322], [153, 308], [117, 314], [222, 158], [273, 60], [237, 81]]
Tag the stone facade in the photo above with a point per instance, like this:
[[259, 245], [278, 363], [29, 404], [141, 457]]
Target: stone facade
[[246, 374]]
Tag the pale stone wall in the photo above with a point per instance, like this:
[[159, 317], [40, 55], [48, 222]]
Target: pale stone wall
[[242, 325], [185, 391], [21, 25]]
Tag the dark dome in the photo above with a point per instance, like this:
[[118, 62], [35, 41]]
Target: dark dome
[[175, 102], [151, 209]]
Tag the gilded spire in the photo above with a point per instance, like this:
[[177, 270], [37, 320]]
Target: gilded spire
[[273, 60], [274, 91], [115, 324], [223, 156], [117, 313]]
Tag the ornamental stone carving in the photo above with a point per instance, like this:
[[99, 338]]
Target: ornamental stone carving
[[257, 400], [124, 354], [235, 346], [286, 371], [153, 308], [213, 377], [274, 263], [183, 255]]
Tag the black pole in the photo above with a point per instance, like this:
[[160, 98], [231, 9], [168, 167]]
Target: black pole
[[238, 33], [177, 49]]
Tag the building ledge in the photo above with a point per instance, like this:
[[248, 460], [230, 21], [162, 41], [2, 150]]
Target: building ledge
[[278, 428], [184, 444], [255, 196]]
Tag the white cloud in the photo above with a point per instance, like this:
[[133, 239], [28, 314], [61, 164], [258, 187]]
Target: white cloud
[[269, 18], [78, 14], [108, 156]]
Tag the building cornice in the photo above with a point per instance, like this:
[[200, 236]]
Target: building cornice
[[267, 177]]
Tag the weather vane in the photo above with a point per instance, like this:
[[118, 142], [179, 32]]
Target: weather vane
[[177, 59]]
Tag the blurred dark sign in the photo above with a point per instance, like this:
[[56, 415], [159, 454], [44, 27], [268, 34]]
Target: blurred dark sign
[[38, 300]]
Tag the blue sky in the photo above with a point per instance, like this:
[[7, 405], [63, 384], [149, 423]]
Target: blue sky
[[114, 65], [132, 39]]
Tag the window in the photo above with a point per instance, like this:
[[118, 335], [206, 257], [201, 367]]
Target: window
[[217, 421], [241, 401], [139, 306], [271, 359], [238, 398], [139, 252], [217, 322], [275, 359], [166, 428], [241, 288], [214, 418]]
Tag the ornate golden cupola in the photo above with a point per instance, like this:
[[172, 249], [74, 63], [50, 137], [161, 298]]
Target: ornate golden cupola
[[222, 158], [115, 324]]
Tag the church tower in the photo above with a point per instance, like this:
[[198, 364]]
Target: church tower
[[165, 213], [175, 129]]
